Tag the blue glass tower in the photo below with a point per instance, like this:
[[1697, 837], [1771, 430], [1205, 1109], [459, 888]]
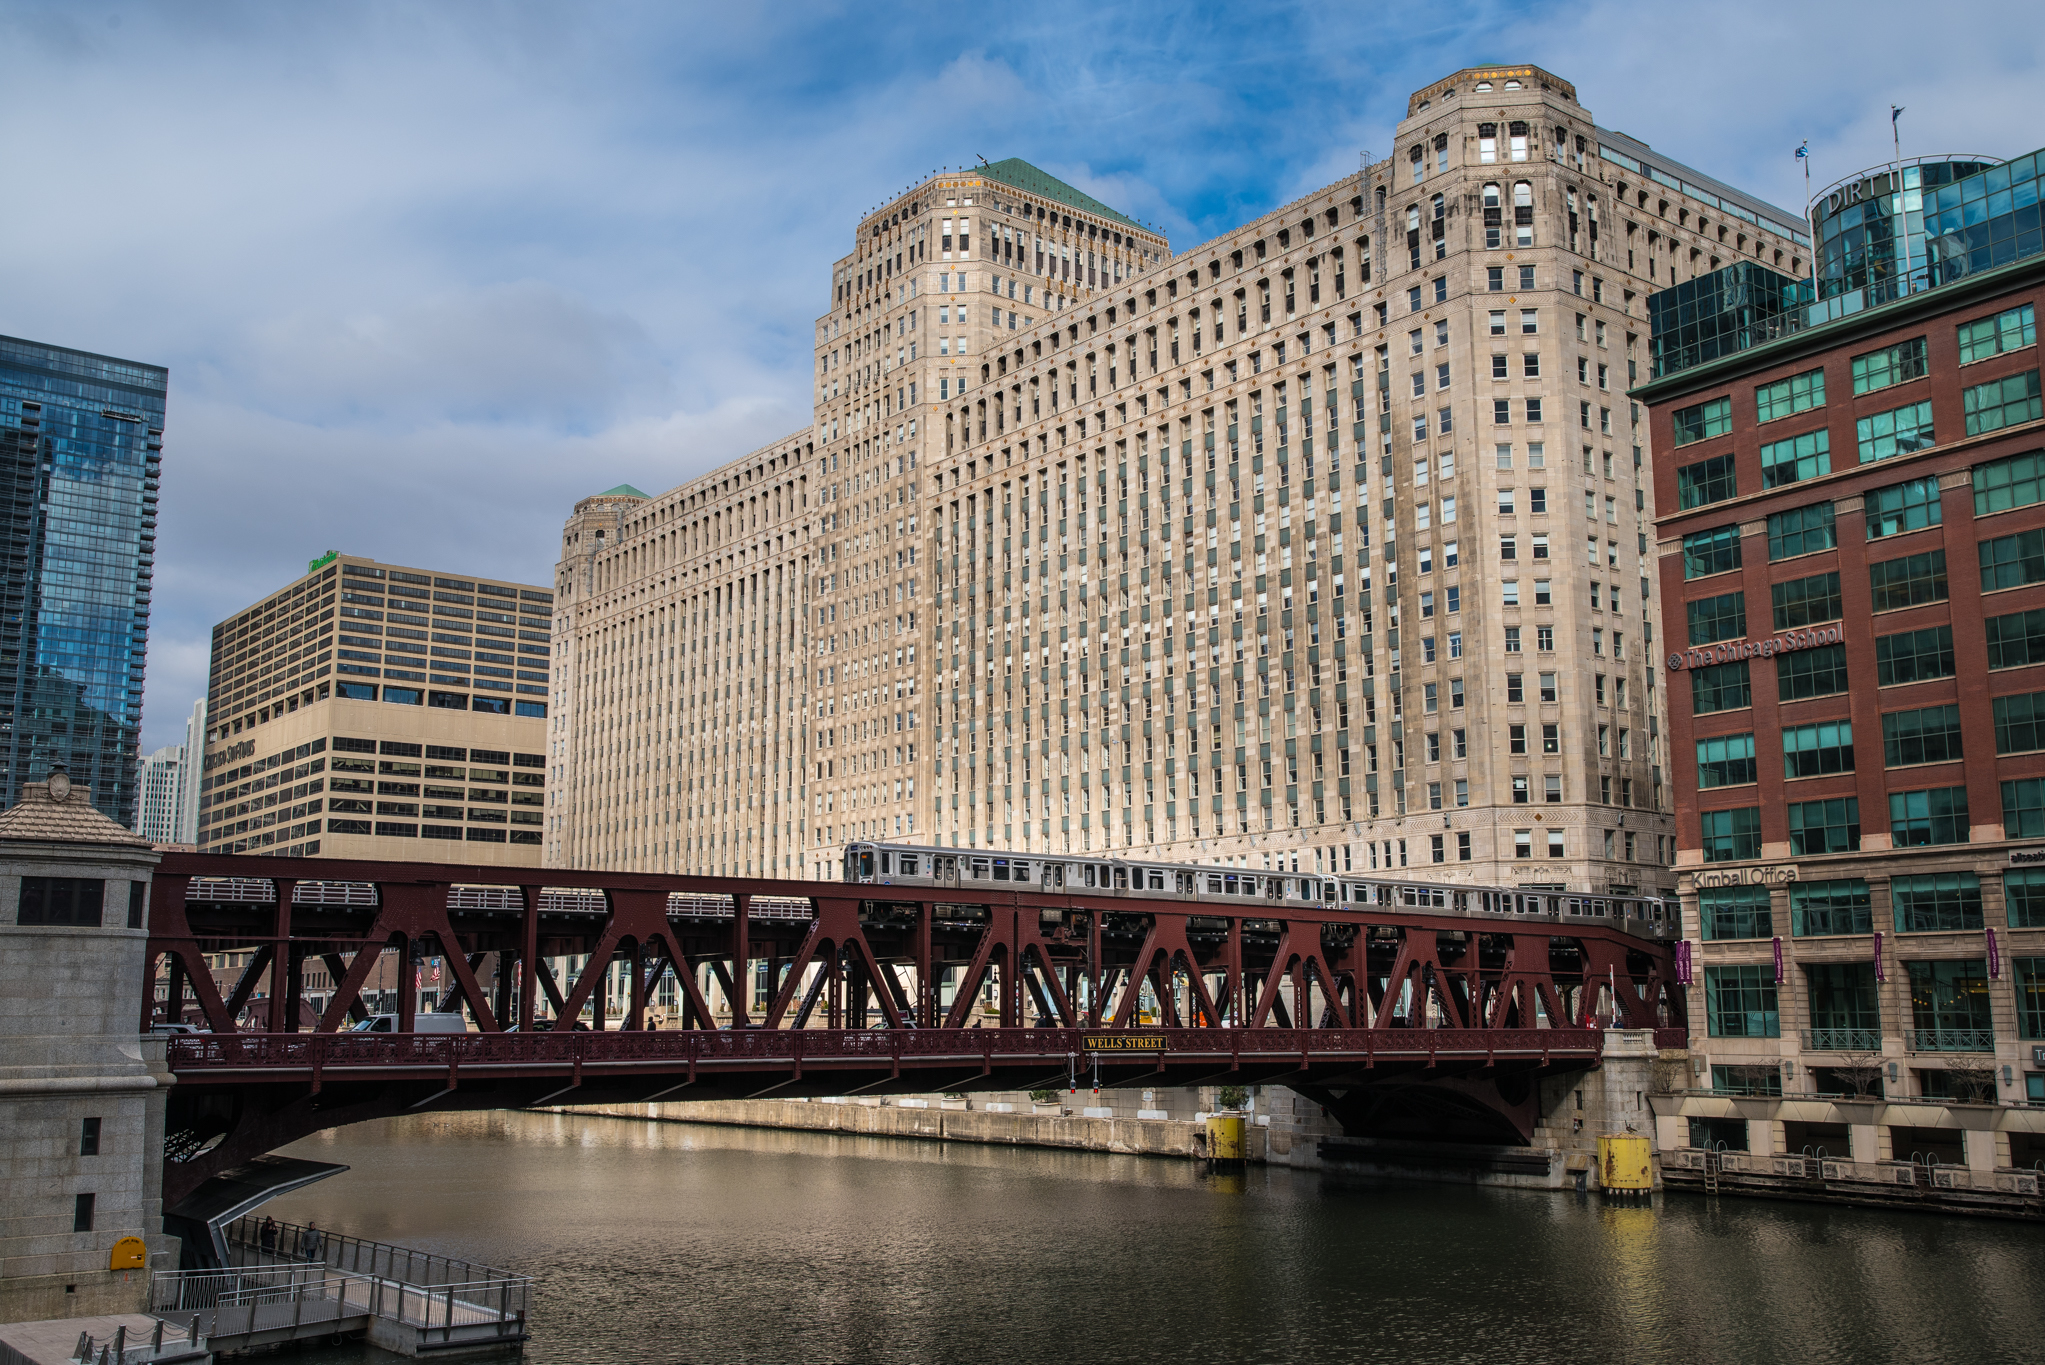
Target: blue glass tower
[[81, 450]]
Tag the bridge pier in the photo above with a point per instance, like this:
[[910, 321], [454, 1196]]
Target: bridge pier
[[81, 1096]]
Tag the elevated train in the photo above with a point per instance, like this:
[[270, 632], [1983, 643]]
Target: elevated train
[[891, 864]]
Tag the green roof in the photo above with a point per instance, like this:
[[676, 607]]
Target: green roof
[[1027, 178], [623, 490]]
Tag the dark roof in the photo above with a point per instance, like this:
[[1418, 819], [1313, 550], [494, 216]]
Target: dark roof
[[69, 818], [1023, 176]]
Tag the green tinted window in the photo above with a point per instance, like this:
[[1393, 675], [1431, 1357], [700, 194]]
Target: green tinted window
[[2023, 808], [1908, 582], [1930, 735], [2007, 331], [1914, 656], [1798, 393], [1796, 457], [1703, 421], [2017, 481], [1890, 365], [1935, 816], [1814, 750], [2012, 561], [1805, 601], [2016, 640], [1896, 432], [2020, 723], [2003, 403], [1705, 482], [1710, 552], [1721, 687], [1801, 531], [2028, 974], [1718, 618], [1739, 1002], [1936, 902], [1735, 912], [1902, 507], [1831, 826], [2023, 893], [1731, 835], [1831, 907], [1726, 761], [1810, 673]]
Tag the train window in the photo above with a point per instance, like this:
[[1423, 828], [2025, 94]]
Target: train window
[[1001, 869], [866, 865], [1214, 883], [1157, 879], [979, 870], [1230, 885], [908, 863], [1121, 879]]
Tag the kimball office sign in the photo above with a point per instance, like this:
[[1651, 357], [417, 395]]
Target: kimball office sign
[[1733, 650]]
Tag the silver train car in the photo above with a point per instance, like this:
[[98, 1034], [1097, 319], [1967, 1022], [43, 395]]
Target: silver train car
[[889, 864]]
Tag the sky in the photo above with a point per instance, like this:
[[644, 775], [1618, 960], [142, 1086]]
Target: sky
[[424, 274]]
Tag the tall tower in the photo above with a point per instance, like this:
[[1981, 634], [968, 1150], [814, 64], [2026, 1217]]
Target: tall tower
[[81, 442]]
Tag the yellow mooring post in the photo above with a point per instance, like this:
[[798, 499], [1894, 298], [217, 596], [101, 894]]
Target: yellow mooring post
[[1625, 1166], [1225, 1142]]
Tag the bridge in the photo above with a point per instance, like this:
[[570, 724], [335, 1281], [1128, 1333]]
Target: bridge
[[1402, 1022]]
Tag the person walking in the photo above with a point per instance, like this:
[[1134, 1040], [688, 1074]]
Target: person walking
[[311, 1244], [266, 1237]]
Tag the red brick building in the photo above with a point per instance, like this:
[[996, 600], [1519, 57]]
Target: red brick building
[[1852, 577]]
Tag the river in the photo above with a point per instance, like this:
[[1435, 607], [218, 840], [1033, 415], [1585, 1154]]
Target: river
[[654, 1242]]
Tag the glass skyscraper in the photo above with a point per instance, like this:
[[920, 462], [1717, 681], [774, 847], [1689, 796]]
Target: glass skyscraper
[[81, 442]]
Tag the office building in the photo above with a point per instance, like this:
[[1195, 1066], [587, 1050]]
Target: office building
[[162, 783], [1852, 553], [190, 774], [374, 711], [81, 455], [1322, 544]]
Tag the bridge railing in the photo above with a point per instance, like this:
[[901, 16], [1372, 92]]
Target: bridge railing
[[252, 1245]]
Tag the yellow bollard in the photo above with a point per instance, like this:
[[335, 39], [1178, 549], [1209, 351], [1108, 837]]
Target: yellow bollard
[[1224, 1142], [1625, 1165]]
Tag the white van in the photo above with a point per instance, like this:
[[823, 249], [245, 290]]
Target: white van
[[425, 1021]]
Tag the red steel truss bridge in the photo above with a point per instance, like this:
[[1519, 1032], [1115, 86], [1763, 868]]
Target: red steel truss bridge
[[1402, 1022]]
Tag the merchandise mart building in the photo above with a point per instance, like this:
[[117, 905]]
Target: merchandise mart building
[[371, 710], [1323, 543], [1854, 565]]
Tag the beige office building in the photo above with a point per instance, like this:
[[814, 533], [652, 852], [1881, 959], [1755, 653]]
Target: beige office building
[[1323, 543], [374, 711]]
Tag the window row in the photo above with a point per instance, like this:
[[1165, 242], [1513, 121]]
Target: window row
[[1928, 903], [1917, 819]]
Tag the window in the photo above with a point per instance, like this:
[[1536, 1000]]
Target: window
[[2030, 984], [2012, 561], [2023, 891], [1722, 687], [1896, 432], [1936, 816], [1703, 421], [1815, 750], [1727, 761], [1707, 481], [2023, 808], [2003, 403], [1509, 593], [1498, 322], [1731, 835], [1551, 739], [1739, 1002], [1913, 656], [1735, 912], [2007, 331], [1533, 409], [1530, 365], [1903, 507], [2016, 639], [1796, 457], [1937, 901], [2018, 481], [2020, 723], [1537, 498], [1892, 365], [1709, 552], [1909, 582], [1949, 1007], [1548, 692], [1798, 393], [1543, 593], [82, 1211], [1556, 847], [1801, 531], [1494, 276], [1523, 843], [1806, 601], [1832, 907], [77, 902], [1530, 321], [1807, 673], [1929, 735], [1512, 639], [1829, 826], [1717, 618]]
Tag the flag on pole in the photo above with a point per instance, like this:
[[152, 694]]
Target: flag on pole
[[1895, 112]]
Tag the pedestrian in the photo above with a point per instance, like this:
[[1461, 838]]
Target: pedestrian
[[266, 1237], [311, 1244]]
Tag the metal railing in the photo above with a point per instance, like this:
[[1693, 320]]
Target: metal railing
[[1842, 1040], [1952, 1040], [256, 1242], [167, 1342]]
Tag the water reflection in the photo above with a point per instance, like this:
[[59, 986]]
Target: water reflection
[[656, 1242]]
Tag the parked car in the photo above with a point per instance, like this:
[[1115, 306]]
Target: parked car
[[176, 1030]]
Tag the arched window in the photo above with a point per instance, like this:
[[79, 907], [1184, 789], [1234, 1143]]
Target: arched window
[[1418, 156], [1518, 133], [1487, 138], [1494, 218]]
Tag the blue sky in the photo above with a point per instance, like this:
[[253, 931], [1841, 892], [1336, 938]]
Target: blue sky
[[424, 274]]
